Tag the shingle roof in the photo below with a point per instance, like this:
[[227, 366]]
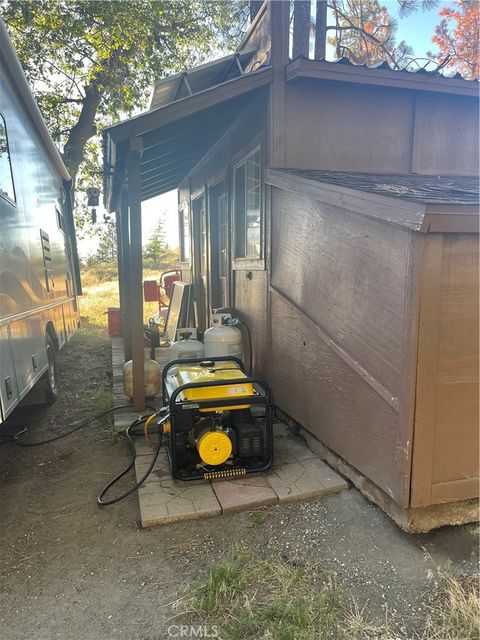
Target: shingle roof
[[412, 187]]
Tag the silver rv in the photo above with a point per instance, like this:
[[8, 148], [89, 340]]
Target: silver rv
[[39, 272]]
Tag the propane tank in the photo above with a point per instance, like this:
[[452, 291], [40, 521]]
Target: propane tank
[[186, 348], [221, 339], [152, 373]]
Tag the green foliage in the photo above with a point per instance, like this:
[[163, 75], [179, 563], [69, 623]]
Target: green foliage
[[156, 253], [93, 62]]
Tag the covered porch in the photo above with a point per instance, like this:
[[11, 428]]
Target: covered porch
[[152, 153]]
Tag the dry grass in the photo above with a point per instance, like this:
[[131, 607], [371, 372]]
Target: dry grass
[[98, 297], [95, 301], [244, 597], [455, 613]]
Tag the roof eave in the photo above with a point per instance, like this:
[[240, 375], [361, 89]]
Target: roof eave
[[320, 70], [166, 114], [371, 205]]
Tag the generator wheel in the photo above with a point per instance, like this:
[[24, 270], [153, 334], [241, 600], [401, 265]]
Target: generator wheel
[[50, 376]]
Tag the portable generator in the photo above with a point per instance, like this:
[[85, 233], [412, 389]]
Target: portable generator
[[220, 419]]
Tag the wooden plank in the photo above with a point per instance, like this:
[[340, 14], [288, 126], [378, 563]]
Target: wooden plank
[[428, 338], [451, 223], [455, 490], [124, 267], [136, 283], [251, 306], [446, 422]]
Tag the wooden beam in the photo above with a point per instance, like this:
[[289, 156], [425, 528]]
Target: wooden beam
[[301, 28], [280, 33], [124, 272], [321, 30], [135, 301]]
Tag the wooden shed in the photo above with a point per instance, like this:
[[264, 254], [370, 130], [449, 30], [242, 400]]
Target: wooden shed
[[335, 207]]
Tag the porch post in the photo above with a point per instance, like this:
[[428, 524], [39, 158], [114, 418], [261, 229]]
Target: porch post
[[301, 28], [123, 236], [135, 299], [280, 33]]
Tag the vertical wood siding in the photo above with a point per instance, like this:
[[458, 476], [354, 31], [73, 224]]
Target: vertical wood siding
[[445, 451]]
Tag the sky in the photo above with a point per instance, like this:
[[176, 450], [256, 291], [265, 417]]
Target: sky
[[417, 30]]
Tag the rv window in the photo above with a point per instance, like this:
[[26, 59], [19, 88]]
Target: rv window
[[6, 180], [61, 220], [247, 207]]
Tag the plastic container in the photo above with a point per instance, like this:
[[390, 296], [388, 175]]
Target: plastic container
[[153, 377], [114, 317]]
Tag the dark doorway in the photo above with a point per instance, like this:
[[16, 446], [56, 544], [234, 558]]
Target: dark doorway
[[219, 247], [200, 262]]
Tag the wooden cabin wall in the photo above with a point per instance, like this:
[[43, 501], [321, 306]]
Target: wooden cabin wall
[[341, 310], [249, 281], [445, 447], [446, 135], [346, 127]]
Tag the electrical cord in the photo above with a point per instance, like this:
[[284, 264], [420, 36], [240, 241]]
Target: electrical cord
[[130, 438], [14, 439], [129, 433], [250, 347]]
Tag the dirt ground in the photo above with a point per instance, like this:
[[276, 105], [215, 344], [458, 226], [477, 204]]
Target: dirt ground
[[72, 570]]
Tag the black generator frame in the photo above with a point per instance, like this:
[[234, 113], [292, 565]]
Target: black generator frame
[[264, 397]]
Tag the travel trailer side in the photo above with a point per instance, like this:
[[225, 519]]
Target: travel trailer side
[[39, 274]]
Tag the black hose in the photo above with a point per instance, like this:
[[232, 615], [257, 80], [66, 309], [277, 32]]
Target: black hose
[[250, 348], [133, 452], [82, 424]]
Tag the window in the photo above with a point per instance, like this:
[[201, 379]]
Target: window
[[6, 180], [61, 220], [247, 207], [184, 236]]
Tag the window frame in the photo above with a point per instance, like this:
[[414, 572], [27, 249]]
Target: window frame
[[61, 219], [249, 263], [185, 213], [5, 196]]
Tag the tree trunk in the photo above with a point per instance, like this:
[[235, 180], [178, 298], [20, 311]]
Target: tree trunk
[[321, 30], [79, 135], [301, 28]]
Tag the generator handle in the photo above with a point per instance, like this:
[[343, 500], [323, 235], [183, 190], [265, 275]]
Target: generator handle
[[221, 383], [214, 359]]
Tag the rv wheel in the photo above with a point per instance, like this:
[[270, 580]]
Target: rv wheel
[[50, 380]]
